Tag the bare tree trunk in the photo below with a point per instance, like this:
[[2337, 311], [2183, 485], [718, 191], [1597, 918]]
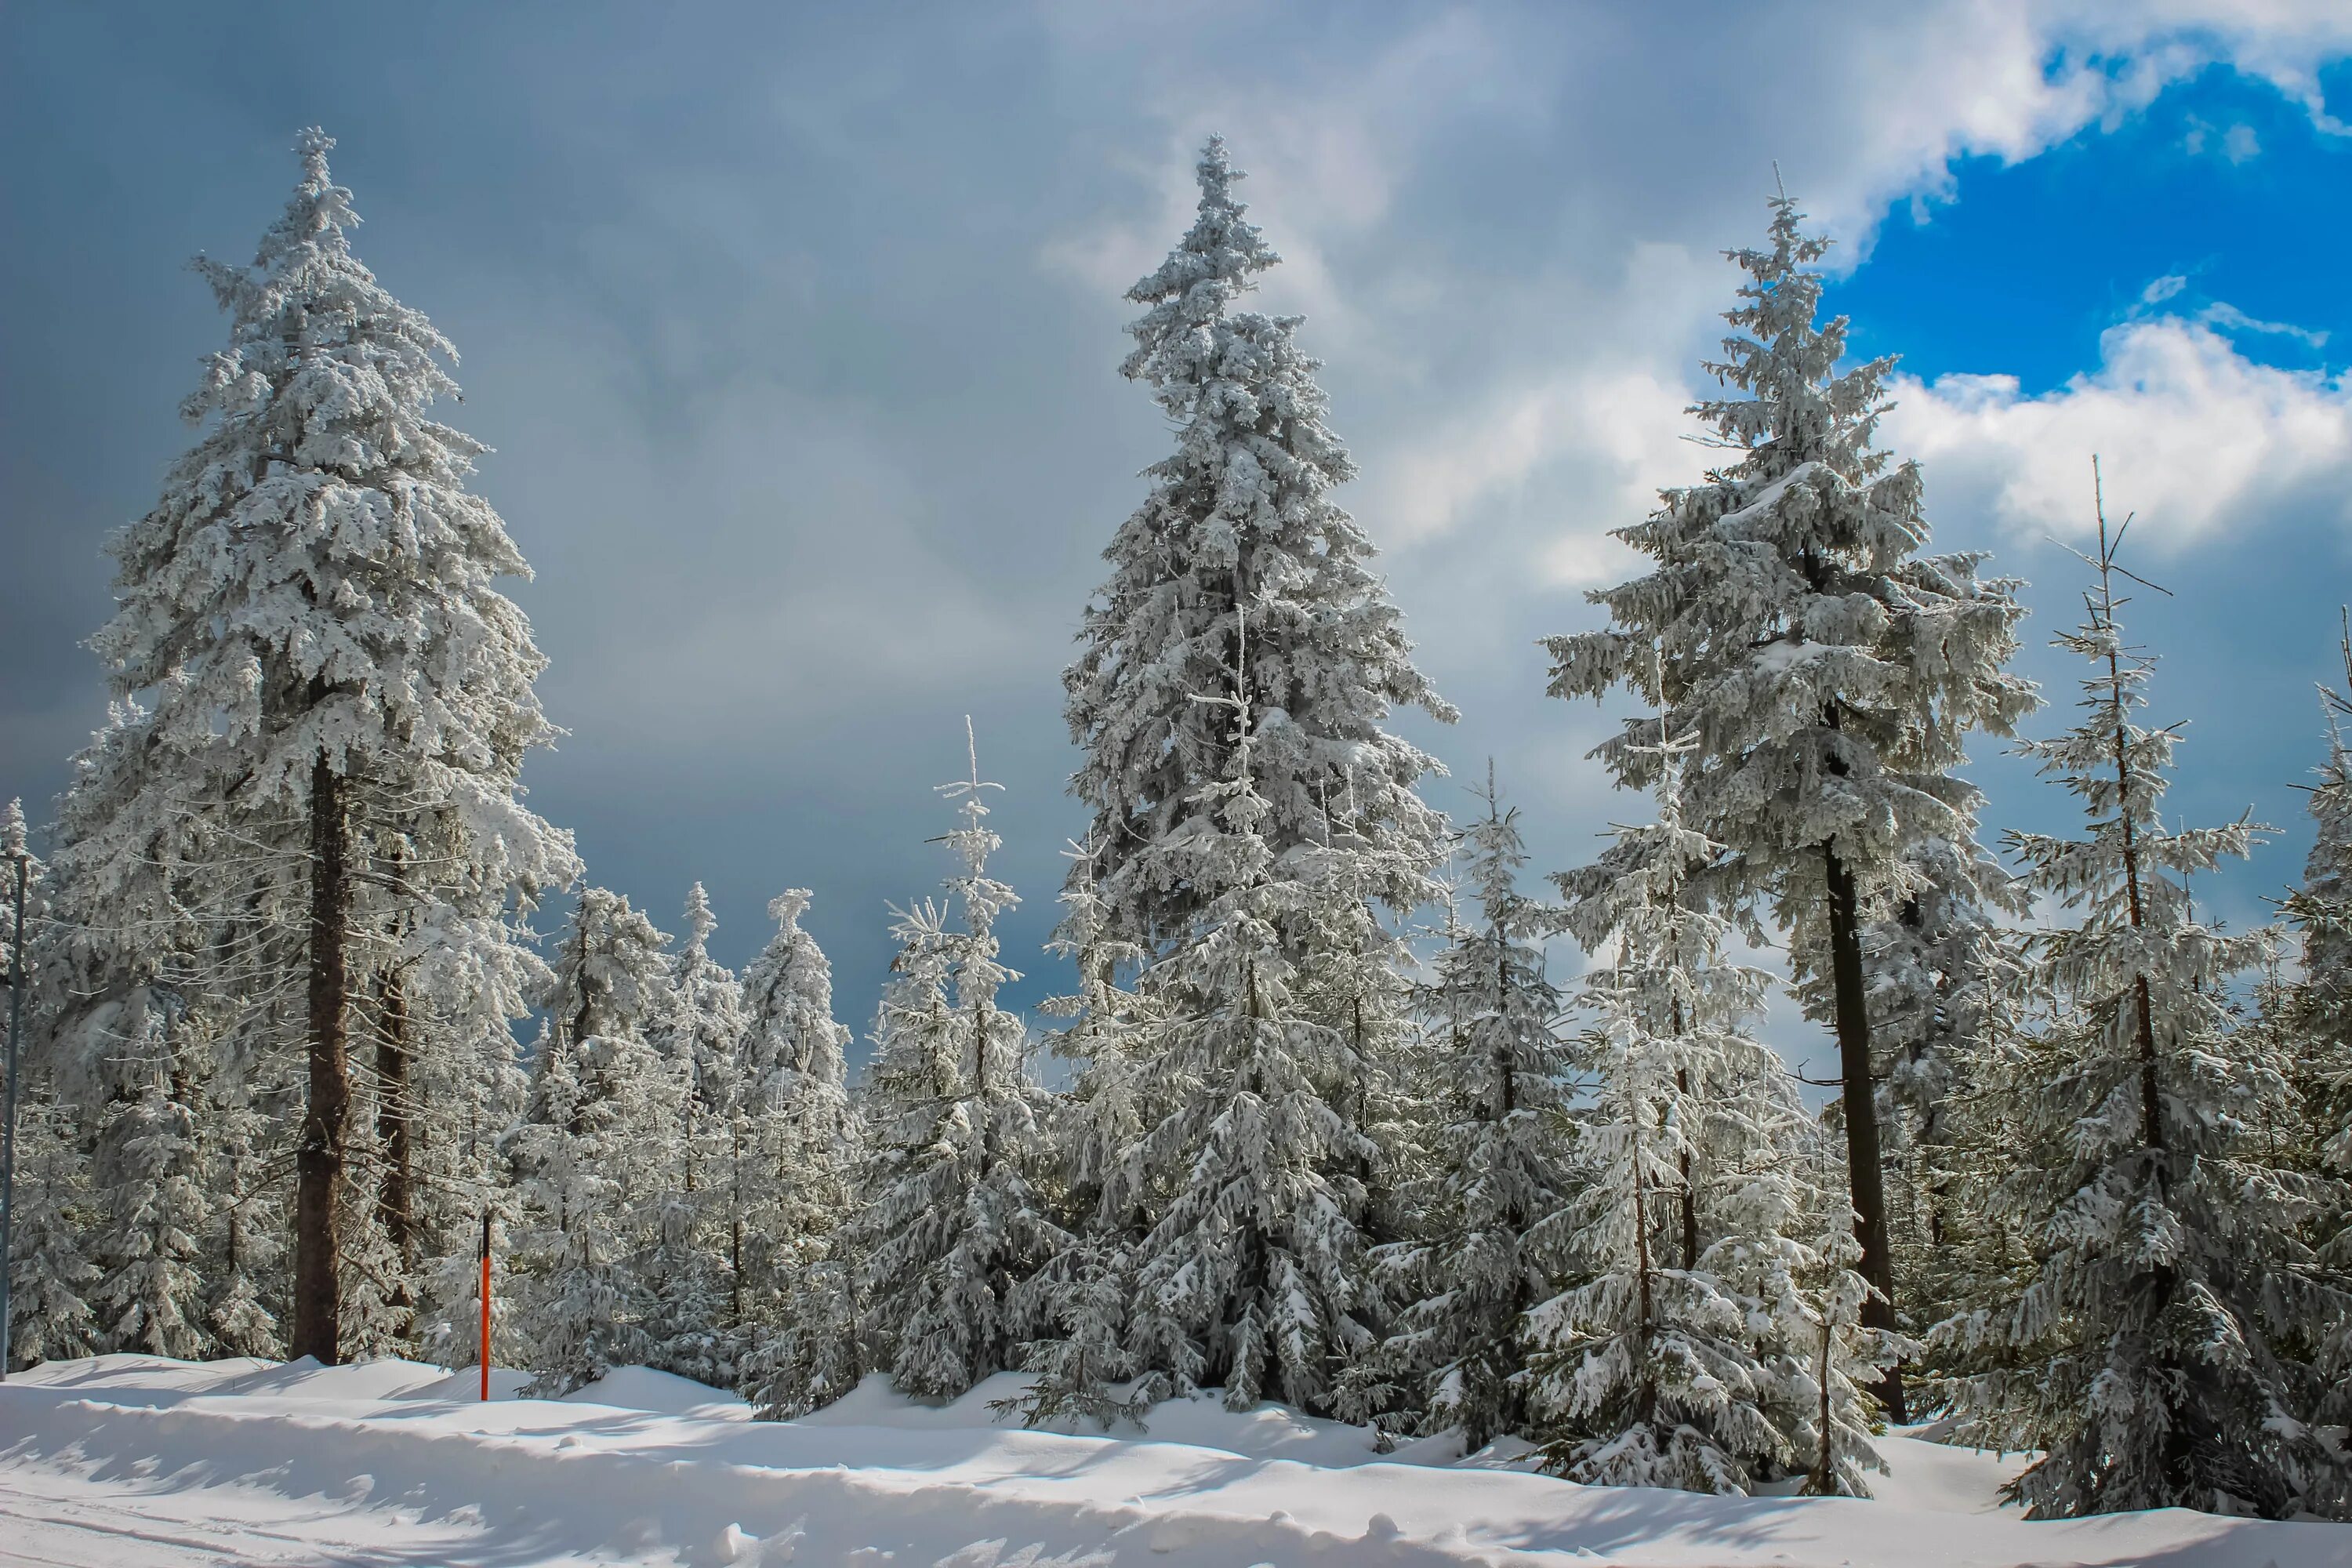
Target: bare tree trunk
[[318, 1161], [1689, 1193], [1863, 1174]]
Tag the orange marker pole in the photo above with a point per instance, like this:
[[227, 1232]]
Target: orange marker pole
[[486, 1306]]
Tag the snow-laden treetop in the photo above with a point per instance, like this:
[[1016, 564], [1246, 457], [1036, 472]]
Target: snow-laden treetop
[[1239, 542]]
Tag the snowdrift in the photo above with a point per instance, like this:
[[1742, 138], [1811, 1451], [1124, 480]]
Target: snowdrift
[[134, 1462]]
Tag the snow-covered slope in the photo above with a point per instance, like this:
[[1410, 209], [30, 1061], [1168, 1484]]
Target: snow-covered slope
[[130, 1462]]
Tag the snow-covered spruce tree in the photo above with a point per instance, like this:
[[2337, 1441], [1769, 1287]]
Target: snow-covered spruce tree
[[1083, 1291], [789, 1148], [49, 1271], [1643, 1372], [1239, 521], [151, 1296], [1485, 1255], [1709, 1331], [2151, 1355], [1225, 869], [1830, 670], [467, 1177], [683, 1265], [595, 1149], [16, 853], [951, 1224], [1252, 1272], [1810, 1296], [2321, 1005], [2316, 1013], [463, 974], [1103, 1116], [1938, 963], [246, 1241], [51, 1279], [1352, 975], [448, 946], [306, 638], [701, 1028]]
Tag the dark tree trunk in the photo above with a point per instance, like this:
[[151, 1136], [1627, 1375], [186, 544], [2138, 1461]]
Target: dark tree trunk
[[1866, 1176], [318, 1161], [1689, 1197], [1689, 1193]]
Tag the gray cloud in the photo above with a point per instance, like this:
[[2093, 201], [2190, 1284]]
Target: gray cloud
[[797, 333]]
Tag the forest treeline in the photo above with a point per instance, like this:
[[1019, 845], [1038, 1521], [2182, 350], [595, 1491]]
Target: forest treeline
[[1333, 1133]]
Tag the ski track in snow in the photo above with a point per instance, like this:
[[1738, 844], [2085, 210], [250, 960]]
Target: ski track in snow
[[131, 1462]]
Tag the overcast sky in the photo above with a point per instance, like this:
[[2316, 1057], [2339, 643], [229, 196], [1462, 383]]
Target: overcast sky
[[795, 330]]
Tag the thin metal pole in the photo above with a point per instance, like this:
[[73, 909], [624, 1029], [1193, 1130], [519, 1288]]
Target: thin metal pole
[[485, 1304], [8, 1132]]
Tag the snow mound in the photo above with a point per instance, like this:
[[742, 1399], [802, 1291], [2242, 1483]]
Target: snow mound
[[305, 1379], [131, 1463], [660, 1392], [1930, 1477]]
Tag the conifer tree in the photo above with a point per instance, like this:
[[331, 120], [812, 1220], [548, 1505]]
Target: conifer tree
[[1082, 1295], [1939, 962], [952, 1225], [595, 1147], [1248, 814], [2153, 1352], [2321, 907], [1251, 1272], [465, 976], [308, 654], [241, 1274], [1487, 1252], [1644, 1368], [1709, 1333], [149, 1299], [1830, 668], [788, 1135], [1239, 523], [686, 1270], [51, 1279], [50, 1272], [1104, 1115]]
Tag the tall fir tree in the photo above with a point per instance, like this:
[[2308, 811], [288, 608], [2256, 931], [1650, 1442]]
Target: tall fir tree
[[1250, 812], [596, 1148], [791, 1145], [1831, 670], [687, 1272], [2153, 1353], [50, 1274], [1239, 523], [1709, 1334], [151, 1296], [1084, 1291], [952, 1225], [308, 653], [1939, 962], [1251, 1272], [51, 1277], [2321, 1004], [1487, 1250]]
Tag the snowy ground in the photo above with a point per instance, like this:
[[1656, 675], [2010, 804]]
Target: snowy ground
[[130, 1462]]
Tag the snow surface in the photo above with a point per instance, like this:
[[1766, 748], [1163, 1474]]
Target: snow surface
[[134, 1462]]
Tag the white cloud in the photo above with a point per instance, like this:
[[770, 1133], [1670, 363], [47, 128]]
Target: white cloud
[[2230, 318], [2193, 437], [2010, 78]]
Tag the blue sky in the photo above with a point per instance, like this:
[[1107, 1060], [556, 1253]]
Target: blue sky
[[796, 330]]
